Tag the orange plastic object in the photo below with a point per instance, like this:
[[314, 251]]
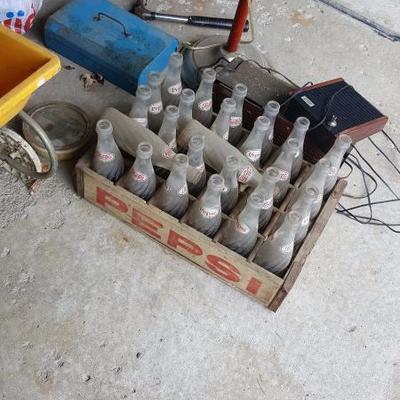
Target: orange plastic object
[[24, 67]]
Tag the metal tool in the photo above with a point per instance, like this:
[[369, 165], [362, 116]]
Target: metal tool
[[210, 22]]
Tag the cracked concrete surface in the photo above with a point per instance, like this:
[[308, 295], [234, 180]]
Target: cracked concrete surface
[[90, 309]]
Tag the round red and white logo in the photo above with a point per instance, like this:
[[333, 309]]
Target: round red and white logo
[[205, 105]]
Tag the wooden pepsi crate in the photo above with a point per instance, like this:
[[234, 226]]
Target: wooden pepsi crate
[[204, 252]]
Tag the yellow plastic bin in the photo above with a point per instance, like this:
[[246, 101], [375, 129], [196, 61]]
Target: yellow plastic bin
[[24, 67]]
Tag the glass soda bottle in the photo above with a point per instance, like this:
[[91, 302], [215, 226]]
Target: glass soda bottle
[[277, 251], [203, 105], [235, 130], [167, 131], [335, 156], [139, 110], [172, 85], [230, 192], [107, 160], [222, 122], [240, 234], [185, 108], [317, 179], [141, 179], [271, 111], [307, 196], [205, 213], [173, 197], [195, 156], [284, 164], [156, 113], [267, 187], [251, 147]]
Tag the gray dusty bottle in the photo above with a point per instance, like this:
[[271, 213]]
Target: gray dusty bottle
[[167, 131], [141, 179], [156, 113], [284, 164], [139, 110], [251, 147], [271, 111], [172, 85], [173, 197], [205, 213], [298, 132], [303, 205], [277, 251], [230, 192], [240, 234], [185, 108], [222, 122], [196, 161], [203, 105], [317, 179], [335, 156], [267, 188], [216, 149], [107, 160], [235, 130]]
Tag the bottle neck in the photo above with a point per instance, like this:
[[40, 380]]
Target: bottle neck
[[318, 176], [336, 153], [299, 134], [222, 123], [249, 215], [185, 111], [205, 89], [230, 178], [284, 161], [105, 142], [266, 187], [286, 232], [239, 105], [211, 197], [196, 157], [142, 164]]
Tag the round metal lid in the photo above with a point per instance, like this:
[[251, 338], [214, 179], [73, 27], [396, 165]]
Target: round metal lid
[[67, 126]]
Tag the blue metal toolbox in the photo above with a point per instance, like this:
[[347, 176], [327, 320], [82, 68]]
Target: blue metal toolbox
[[110, 41]]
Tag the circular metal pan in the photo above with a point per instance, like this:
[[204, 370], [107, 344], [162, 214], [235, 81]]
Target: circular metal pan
[[67, 126]]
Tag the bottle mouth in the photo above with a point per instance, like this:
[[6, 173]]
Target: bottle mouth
[[263, 122], [303, 122], [176, 60], [293, 217], [273, 105], [104, 127], [345, 140], [312, 192], [209, 75], [145, 150], [229, 105], [256, 200], [188, 95], [216, 181], [240, 89], [196, 142], [293, 145], [232, 162], [154, 79], [172, 111], [272, 173], [181, 159], [143, 91]]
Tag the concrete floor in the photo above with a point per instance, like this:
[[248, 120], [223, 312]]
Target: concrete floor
[[90, 309]]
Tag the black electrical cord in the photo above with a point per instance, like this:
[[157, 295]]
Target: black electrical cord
[[384, 155], [391, 140], [289, 99]]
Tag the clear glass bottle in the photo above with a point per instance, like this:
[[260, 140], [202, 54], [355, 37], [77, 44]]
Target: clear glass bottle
[[185, 108], [335, 156], [173, 197], [172, 85], [205, 213], [277, 251], [239, 93], [271, 111], [267, 187], [141, 179], [195, 156], [284, 164], [221, 123], [307, 196], [139, 110], [251, 147], [203, 105], [107, 160], [156, 113], [230, 192], [240, 234], [299, 130], [167, 131], [317, 179]]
